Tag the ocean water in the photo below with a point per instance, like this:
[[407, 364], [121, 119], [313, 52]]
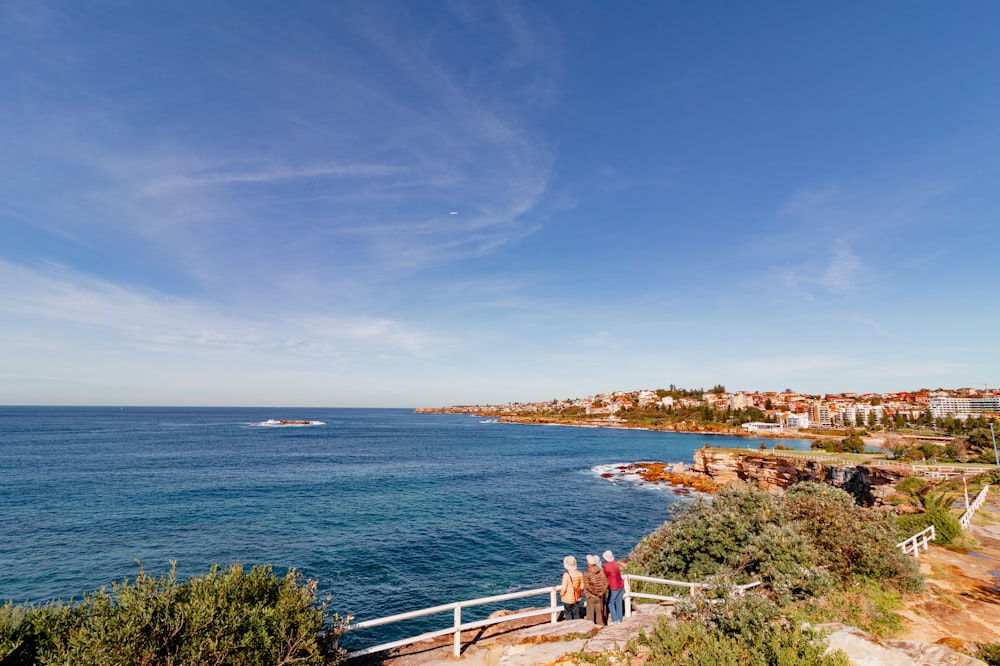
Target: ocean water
[[389, 510]]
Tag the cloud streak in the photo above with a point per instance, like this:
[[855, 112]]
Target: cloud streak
[[56, 298]]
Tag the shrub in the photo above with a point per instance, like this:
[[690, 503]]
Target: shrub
[[706, 538], [869, 607], [743, 632], [740, 536], [912, 485], [990, 653], [854, 543], [27, 632], [946, 526], [243, 618], [910, 524]]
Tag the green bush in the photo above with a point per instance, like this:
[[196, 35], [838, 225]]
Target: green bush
[[990, 653], [912, 485], [737, 632], [855, 544], [946, 526], [793, 543], [738, 532], [911, 523], [869, 607], [28, 632], [237, 617]]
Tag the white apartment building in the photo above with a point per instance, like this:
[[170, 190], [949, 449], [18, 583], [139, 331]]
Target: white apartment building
[[758, 426], [962, 408], [796, 421], [846, 416]]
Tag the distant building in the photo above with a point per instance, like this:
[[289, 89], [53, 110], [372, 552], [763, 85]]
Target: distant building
[[796, 421], [757, 426], [819, 413], [962, 408], [739, 401]]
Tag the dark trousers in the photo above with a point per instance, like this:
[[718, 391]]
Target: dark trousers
[[573, 611]]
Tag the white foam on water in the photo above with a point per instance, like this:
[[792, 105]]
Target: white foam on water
[[275, 423], [627, 474]]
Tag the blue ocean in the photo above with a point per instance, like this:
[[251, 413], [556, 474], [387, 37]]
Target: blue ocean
[[388, 509]]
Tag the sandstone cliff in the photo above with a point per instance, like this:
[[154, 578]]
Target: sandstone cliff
[[871, 486]]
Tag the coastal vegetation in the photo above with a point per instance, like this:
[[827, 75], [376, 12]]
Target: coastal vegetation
[[736, 632], [799, 544], [820, 556], [233, 616]]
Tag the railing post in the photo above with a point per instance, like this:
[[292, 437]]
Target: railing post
[[458, 631], [552, 603], [627, 596]]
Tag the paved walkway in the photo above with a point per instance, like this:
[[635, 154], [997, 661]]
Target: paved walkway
[[535, 645]]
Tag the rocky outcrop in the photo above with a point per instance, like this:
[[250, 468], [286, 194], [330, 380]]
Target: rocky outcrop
[[862, 648], [870, 486]]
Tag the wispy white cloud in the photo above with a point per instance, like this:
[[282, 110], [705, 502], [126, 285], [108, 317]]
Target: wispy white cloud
[[167, 184], [354, 185], [57, 298], [873, 325], [845, 271]]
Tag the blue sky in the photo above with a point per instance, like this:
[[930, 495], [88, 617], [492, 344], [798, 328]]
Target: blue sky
[[432, 203]]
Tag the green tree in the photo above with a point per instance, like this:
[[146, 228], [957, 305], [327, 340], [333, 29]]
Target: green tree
[[853, 443]]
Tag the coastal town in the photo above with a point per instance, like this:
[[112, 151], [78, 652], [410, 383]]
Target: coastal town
[[759, 412]]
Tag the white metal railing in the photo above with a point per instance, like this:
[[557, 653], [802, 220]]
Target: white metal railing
[[457, 628], [919, 540], [694, 587], [966, 520], [810, 457], [931, 471]]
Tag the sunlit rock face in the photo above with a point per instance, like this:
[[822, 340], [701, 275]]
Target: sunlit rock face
[[870, 486]]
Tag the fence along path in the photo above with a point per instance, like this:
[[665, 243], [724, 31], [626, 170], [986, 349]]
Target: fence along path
[[923, 539], [917, 541], [553, 609], [966, 520], [932, 471]]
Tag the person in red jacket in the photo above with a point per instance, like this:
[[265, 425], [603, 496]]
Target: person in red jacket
[[616, 606]]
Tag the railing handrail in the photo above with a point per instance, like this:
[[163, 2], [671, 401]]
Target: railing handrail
[[919, 540], [694, 587], [676, 583], [398, 617], [458, 627], [966, 520]]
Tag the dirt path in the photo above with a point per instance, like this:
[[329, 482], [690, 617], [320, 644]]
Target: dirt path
[[962, 601]]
